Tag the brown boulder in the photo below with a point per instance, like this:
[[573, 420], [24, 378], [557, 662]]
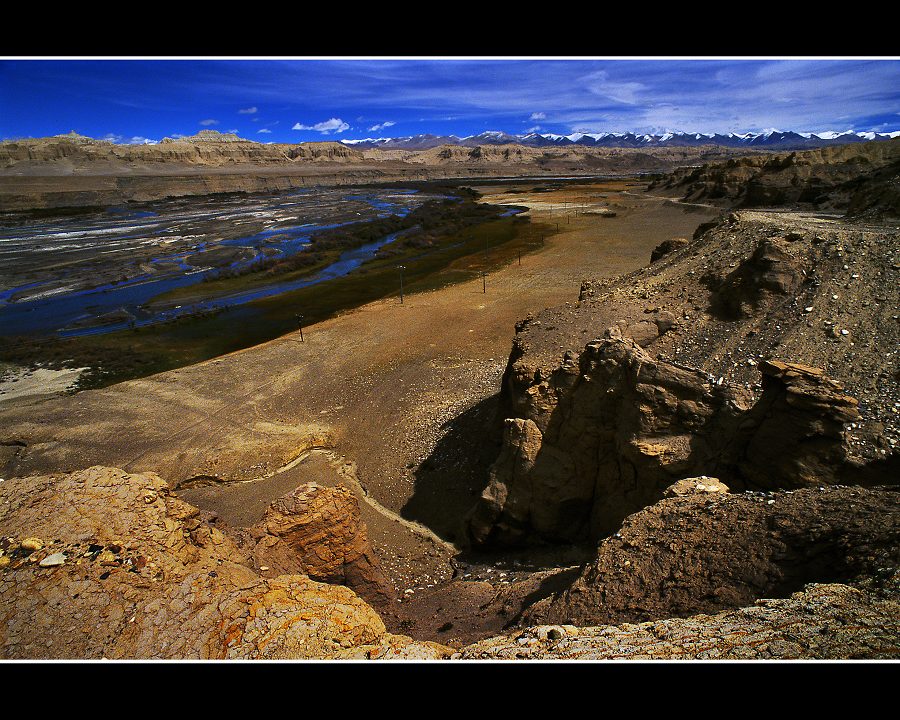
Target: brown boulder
[[694, 486], [794, 434], [318, 531], [666, 247], [606, 435], [773, 270], [643, 332]]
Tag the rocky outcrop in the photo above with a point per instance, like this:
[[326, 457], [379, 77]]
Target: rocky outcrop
[[119, 567], [666, 247], [822, 622], [705, 552], [707, 391], [317, 531], [607, 432], [206, 136], [793, 436], [772, 270], [322, 152]]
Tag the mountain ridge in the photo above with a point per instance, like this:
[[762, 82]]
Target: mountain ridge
[[786, 140]]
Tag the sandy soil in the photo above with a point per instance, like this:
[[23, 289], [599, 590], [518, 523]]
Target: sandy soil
[[21, 384], [382, 388]]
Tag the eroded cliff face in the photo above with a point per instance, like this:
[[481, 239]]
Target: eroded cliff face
[[604, 434], [103, 563], [75, 171], [207, 148], [858, 177]]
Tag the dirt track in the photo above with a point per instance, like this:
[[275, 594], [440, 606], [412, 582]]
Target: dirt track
[[377, 386]]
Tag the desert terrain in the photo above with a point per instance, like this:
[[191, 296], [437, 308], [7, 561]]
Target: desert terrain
[[588, 493]]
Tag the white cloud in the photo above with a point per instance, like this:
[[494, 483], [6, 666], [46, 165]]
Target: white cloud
[[532, 129], [209, 122], [600, 84], [538, 116], [264, 130], [333, 125], [249, 111], [382, 126], [122, 140]]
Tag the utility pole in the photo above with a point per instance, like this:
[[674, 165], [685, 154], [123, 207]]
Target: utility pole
[[401, 268], [483, 282], [300, 325]]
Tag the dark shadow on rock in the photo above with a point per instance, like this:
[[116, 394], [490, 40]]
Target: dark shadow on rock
[[772, 274], [552, 585], [449, 480], [884, 471]]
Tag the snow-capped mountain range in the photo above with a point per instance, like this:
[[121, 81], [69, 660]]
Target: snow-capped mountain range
[[786, 140]]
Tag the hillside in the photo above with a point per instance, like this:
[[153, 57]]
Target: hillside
[[849, 177]]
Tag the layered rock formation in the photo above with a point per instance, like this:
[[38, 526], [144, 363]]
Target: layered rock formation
[[74, 171], [102, 563], [206, 148], [856, 177], [608, 431], [317, 531]]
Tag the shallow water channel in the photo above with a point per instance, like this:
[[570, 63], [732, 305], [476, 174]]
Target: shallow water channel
[[97, 273]]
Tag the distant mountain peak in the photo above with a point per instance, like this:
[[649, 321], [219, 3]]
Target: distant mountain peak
[[770, 137]]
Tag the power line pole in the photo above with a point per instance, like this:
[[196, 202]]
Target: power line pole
[[401, 268]]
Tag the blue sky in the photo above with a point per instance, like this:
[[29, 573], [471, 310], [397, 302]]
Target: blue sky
[[302, 100]]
